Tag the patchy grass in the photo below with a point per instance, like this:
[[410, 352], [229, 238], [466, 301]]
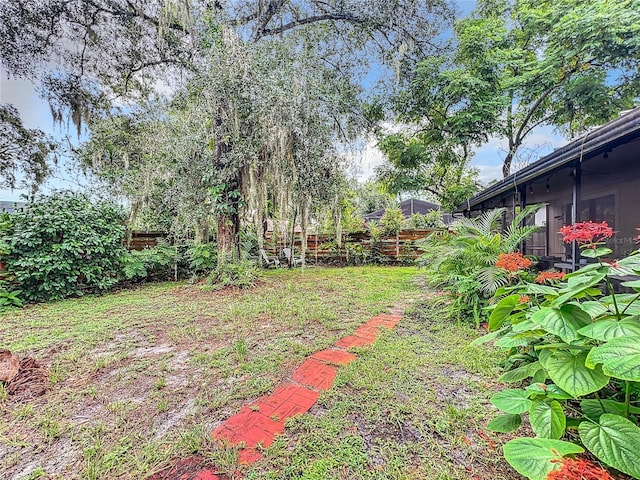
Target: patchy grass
[[413, 406], [141, 377]]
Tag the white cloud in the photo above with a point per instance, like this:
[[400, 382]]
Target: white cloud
[[488, 173]]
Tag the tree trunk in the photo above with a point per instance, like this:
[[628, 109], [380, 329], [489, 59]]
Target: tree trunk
[[228, 223], [228, 237], [506, 166]]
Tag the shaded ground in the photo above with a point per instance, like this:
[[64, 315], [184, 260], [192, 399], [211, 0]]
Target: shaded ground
[[139, 378]]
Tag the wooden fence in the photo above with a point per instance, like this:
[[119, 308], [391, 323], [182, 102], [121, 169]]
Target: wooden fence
[[322, 248], [142, 240]]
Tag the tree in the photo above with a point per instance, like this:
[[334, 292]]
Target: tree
[[436, 168], [162, 40], [519, 65], [22, 150]]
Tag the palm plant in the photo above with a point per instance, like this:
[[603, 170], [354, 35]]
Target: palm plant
[[463, 262]]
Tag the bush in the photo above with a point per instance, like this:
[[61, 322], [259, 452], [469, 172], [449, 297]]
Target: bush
[[392, 221], [464, 263], [573, 347], [241, 274], [154, 263], [433, 219], [62, 245], [202, 257]]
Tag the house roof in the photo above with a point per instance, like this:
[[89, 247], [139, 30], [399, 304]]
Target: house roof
[[595, 142], [408, 207], [10, 206]]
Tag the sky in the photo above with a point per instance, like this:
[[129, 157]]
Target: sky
[[36, 114]]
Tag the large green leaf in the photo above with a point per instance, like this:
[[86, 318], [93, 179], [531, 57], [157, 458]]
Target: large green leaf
[[488, 337], [569, 372], [513, 339], [563, 322], [614, 440], [512, 400], [502, 311], [620, 358], [594, 408], [505, 423], [577, 285], [535, 289], [610, 328], [520, 373], [536, 457], [593, 308], [547, 419]]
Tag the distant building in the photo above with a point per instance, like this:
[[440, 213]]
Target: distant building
[[10, 207], [596, 178], [410, 207]]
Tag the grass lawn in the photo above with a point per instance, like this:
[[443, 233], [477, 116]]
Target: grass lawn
[[141, 377]]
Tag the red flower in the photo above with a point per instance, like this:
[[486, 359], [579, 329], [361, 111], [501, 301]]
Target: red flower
[[577, 469], [513, 261], [586, 233], [544, 276], [525, 299]]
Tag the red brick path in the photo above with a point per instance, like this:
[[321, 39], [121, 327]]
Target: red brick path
[[260, 422]]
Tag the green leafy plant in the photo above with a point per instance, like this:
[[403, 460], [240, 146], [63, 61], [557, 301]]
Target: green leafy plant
[[62, 245], [203, 258], [241, 274], [392, 221], [574, 346], [432, 219], [153, 263], [463, 261]]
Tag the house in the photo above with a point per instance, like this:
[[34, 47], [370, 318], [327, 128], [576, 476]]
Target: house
[[595, 177], [410, 207], [10, 206]]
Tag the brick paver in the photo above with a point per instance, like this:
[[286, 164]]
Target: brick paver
[[285, 402], [316, 374], [336, 357], [257, 424], [354, 341]]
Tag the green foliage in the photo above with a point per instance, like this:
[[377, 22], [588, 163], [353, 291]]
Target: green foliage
[[392, 221], [432, 219], [464, 262], [518, 65], [241, 274], [536, 457], [574, 347], [62, 245], [155, 263], [203, 257], [22, 150], [426, 165]]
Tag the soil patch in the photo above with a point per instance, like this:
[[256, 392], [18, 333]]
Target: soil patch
[[30, 381], [189, 468]]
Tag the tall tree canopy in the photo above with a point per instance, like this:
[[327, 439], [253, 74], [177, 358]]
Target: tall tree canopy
[[24, 152], [522, 64], [89, 55]]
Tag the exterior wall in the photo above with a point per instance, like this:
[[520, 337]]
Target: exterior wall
[[610, 192]]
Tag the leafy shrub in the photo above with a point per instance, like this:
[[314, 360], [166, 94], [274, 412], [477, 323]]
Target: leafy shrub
[[392, 221], [355, 253], [241, 274], [432, 219], [202, 257], [63, 244], [155, 263], [463, 263], [574, 352]]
